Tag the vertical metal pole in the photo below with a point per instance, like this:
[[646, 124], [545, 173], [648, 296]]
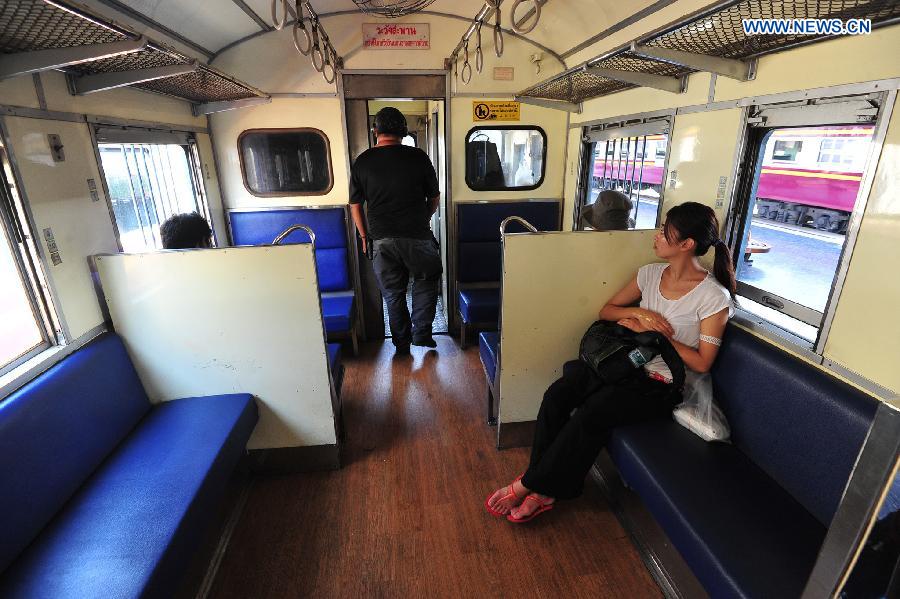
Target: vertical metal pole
[[637, 204]]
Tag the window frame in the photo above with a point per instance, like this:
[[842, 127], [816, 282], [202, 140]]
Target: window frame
[[25, 252], [141, 136], [612, 130], [277, 130], [758, 123], [507, 128]]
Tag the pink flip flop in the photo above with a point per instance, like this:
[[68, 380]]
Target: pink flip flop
[[543, 506], [512, 492]]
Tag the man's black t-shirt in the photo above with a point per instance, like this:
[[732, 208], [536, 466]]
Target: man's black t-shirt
[[397, 182]]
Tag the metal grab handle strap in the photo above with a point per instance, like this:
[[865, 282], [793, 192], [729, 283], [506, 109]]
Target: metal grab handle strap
[[300, 24], [520, 27], [291, 229], [276, 22], [519, 220], [498, 34]]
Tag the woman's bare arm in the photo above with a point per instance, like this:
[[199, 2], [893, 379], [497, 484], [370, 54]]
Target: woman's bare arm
[[618, 308], [702, 358]]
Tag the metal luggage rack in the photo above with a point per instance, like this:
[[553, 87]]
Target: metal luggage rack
[[705, 41], [98, 54]]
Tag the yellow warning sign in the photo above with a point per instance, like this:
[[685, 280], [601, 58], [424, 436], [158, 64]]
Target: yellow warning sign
[[494, 111]]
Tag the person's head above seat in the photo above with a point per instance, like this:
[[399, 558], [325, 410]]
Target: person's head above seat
[[185, 231], [390, 121], [610, 212]]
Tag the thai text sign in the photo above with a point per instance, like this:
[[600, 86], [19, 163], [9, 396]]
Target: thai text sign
[[494, 111], [396, 36]]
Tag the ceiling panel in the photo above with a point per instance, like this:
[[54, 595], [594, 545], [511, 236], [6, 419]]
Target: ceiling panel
[[210, 23]]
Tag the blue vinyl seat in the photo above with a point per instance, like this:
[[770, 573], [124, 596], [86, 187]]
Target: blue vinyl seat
[[479, 254], [102, 493], [749, 517], [333, 247], [489, 351]]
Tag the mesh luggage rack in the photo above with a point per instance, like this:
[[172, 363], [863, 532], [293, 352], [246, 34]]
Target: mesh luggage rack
[[29, 25], [718, 32]]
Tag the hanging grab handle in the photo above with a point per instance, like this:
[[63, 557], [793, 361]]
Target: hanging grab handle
[[519, 27], [276, 22]]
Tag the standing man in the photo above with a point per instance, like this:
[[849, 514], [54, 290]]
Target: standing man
[[400, 186]]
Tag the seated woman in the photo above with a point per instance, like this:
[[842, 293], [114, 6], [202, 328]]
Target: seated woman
[[678, 298]]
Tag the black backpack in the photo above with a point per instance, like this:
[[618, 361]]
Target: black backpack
[[614, 352]]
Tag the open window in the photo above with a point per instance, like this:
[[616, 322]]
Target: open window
[[798, 208], [630, 162], [508, 158], [150, 176], [27, 317]]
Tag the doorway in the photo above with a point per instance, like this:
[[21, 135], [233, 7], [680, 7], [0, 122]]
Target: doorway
[[426, 118]]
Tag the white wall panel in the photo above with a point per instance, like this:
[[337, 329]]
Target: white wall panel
[[283, 113], [237, 320], [553, 122], [58, 195], [554, 285]]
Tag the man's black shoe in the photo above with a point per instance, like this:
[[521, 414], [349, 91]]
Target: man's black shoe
[[427, 342]]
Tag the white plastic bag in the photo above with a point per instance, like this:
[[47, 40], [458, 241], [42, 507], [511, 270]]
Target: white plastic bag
[[698, 412]]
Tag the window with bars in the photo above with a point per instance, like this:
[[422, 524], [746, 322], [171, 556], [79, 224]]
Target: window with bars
[[630, 162], [286, 162], [150, 179]]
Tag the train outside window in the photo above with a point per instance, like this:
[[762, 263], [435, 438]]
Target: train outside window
[[148, 183], [285, 162], [633, 166], [797, 220], [505, 158], [23, 330]]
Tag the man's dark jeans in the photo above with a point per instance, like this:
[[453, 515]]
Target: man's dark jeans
[[395, 260]]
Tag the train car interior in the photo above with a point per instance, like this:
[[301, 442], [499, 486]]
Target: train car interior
[[290, 290]]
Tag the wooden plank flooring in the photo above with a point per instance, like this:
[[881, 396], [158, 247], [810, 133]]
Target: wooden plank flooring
[[404, 517]]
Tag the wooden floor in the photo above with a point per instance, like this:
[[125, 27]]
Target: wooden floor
[[404, 517]]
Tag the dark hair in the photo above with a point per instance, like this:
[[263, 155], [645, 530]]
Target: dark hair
[[183, 231], [391, 121], [696, 221]]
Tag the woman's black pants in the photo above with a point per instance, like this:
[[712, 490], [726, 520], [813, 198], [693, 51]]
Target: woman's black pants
[[576, 419]]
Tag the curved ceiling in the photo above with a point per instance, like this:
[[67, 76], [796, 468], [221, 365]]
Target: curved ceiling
[[209, 26]]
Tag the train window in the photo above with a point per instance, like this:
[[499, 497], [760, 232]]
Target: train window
[[25, 316], [285, 162], [631, 161], [505, 158], [786, 150], [796, 219], [150, 177]]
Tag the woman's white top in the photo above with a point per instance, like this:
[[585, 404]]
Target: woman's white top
[[684, 313]]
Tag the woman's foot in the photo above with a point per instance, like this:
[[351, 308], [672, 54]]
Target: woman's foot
[[531, 506], [506, 498]]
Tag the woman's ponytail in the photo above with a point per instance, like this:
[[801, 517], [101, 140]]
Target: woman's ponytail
[[723, 268]]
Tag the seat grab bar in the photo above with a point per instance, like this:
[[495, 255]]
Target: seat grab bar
[[291, 229], [519, 220]]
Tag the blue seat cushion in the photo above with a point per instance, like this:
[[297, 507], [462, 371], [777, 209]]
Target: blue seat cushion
[[480, 221], [479, 262], [337, 311], [334, 356], [328, 224], [801, 426], [479, 305], [488, 348], [261, 227], [331, 267], [57, 429], [741, 533], [131, 528]]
